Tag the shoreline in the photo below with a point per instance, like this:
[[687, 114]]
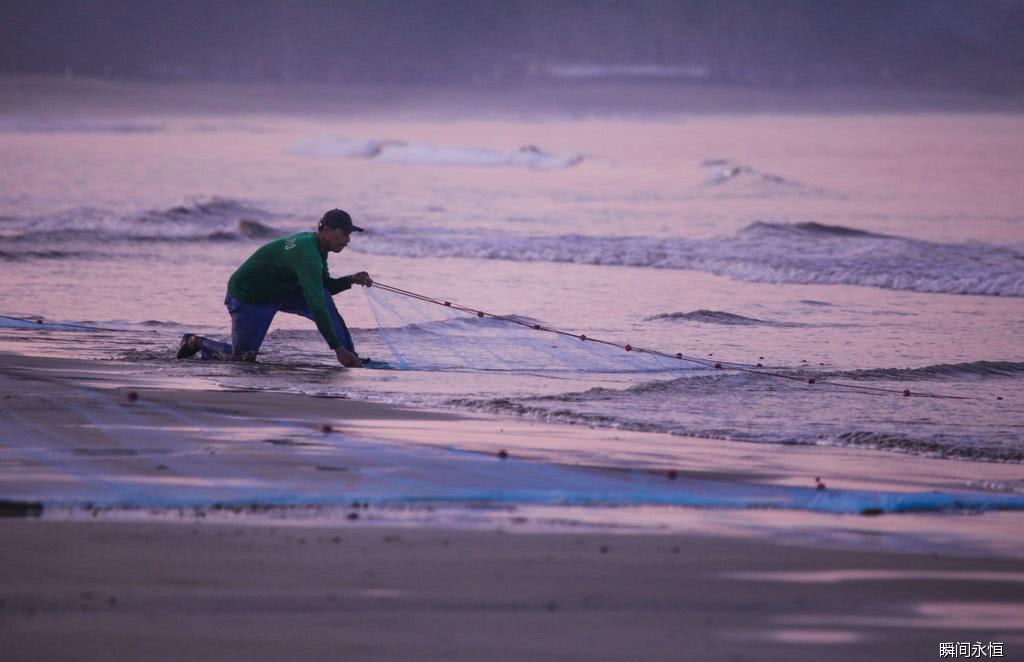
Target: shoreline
[[96, 438]]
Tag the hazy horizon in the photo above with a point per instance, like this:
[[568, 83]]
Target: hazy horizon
[[950, 45]]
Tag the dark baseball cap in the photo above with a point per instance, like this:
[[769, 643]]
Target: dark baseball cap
[[338, 219]]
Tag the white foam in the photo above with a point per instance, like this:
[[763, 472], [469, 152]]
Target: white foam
[[396, 151], [730, 179], [763, 252], [328, 145]]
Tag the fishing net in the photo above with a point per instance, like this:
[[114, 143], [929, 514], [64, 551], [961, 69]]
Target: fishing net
[[422, 335]]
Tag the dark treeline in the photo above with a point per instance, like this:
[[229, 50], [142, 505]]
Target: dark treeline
[[966, 44]]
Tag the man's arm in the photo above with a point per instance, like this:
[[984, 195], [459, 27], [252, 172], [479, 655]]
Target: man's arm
[[336, 285]]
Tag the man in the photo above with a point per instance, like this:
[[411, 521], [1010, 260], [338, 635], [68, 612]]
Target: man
[[288, 275]]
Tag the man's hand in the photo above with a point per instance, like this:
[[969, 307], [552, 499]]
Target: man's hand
[[347, 358], [362, 278]]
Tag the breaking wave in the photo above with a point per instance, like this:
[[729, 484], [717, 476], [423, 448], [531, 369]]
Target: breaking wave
[[763, 252], [972, 370], [761, 229], [398, 151], [216, 219], [793, 412], [728, 177], [947, 446], [940, 447], [966, 445], [717, 317]]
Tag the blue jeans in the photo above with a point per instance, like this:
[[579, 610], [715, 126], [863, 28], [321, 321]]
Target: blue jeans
[[251, 321]]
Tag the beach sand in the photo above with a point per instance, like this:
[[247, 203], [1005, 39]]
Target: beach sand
[[154, 591], [212, 578]]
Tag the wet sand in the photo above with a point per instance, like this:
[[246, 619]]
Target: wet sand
[[462, 582], [199, 591]]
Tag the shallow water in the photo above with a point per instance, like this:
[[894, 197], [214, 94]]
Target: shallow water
[[884, 251]]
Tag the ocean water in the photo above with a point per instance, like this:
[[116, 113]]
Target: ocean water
[[870, 253]]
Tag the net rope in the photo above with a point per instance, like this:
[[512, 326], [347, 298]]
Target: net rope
[[426, 333]]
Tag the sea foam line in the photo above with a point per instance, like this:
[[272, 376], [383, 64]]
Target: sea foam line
[[805, 253]]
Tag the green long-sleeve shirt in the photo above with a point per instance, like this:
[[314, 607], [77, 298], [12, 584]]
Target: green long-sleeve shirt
[[276, 269]]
